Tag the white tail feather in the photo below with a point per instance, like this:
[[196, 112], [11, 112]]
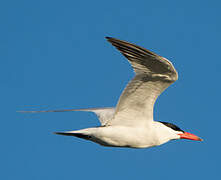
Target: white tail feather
[[104, 114]]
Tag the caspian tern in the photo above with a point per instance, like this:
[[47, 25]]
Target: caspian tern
[[131, 123]]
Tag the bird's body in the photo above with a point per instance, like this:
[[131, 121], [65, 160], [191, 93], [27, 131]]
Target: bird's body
[[131, 123], [123, 136]]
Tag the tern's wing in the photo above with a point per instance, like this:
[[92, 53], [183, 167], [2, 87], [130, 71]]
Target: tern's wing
[[104, 114], [153, 75]]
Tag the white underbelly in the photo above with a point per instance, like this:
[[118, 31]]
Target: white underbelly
[[119, 136]]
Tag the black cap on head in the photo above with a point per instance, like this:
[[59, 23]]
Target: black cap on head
[[172, 126]]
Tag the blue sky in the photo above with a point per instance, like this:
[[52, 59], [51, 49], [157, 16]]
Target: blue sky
[[54, 55]]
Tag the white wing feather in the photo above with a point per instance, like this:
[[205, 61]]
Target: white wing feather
[[153, 75]]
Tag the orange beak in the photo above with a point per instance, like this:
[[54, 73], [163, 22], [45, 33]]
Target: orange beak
[[190, 136]]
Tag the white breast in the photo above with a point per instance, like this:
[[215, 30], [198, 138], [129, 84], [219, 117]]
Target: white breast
[[122, 136]]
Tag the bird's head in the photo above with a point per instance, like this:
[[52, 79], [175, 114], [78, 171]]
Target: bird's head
[[182, 134]]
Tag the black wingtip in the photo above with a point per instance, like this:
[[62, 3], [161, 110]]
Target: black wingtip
[[108, 37], [113, 40], [79, 135], [63, 133], [58, 133]]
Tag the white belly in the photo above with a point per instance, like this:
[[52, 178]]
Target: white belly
[[139, 137]]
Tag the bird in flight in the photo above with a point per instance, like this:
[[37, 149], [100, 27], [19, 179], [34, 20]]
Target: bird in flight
[[131, 124]]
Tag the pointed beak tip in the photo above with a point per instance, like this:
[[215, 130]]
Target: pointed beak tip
[[201, 139], [190, 136]]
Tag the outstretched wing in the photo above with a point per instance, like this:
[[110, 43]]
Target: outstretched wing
[[104, 114], [153, 75]]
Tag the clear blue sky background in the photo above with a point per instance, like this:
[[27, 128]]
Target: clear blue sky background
[[54, 55]]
